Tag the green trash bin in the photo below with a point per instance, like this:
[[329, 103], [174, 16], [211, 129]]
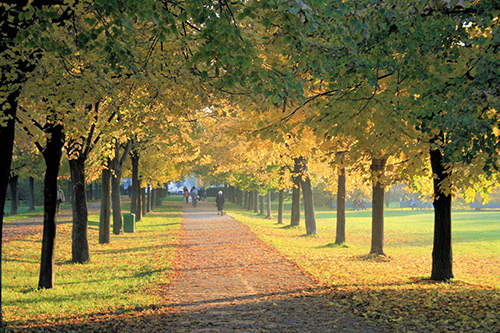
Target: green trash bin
[[128, 222]]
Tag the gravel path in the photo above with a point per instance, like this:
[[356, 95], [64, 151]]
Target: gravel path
[[229, 280]]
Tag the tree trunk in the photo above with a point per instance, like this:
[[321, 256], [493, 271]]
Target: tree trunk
[[91, 191], [261, 205], [153, 198], [143, 201], [105, 217], [68, 191], [117, 205], [340, 235], [378, 195], [135, 183], [148, 199], [268, 216], [8, 108], [310, 219], [255, 201], [116, 166], [281, 204], [295, 213], [31, 193], [14, 194], [249, 197], [80, 245], [52, 156], [442, 260]]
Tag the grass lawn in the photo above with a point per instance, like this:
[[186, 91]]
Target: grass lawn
[[120, 276], [395, 288]]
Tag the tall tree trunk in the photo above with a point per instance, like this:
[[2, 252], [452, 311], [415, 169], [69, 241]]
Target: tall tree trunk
[[31, 193], [255, 201], [268, 215], [80, 244], [378, 195], [135, 182], [116, 165], [261, 205], [281, 204], [8, 107], [91, 191], [143, 201], [249, 200], [340, 235], [52, 156], [14, 194], [138, 211], [310, 219], [116, 204], [295, 213], [153, 198], [442, 259], [148, 200], [68, 191], [105, 217]]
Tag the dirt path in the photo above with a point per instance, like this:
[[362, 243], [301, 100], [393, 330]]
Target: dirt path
[[229, 280]]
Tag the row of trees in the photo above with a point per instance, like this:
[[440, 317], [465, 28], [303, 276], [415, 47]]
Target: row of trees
[[262, 94]]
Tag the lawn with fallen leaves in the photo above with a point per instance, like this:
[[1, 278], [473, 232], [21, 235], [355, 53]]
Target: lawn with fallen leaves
[[395, 289], [120, 276]]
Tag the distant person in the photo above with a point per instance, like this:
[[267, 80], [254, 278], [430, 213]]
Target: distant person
[[220, 200], [203, 194], [60, 198], [194, 195], [186, 194]]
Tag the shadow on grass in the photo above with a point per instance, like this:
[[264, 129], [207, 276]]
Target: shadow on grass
[[136, 249], [333, 246], [373, 257]]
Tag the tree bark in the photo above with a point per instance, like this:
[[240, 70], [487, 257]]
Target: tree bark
[[255, 201], [340, 235], [281, 204], [310, 219], [261, 205], [91, 191], [378, 195], [80, 244], [8, 108], [148, 200], [105, 217], [14, 194], [442, 259], [69, 195], [31, 193], [295, 213], [116, 166], [135, 182], [52, 156], [249, 197], [268, 216], [143, 201]]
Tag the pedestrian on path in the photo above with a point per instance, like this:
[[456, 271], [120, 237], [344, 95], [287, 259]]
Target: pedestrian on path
[[220, 200], [60, 198], [194, 195], [186, 194]]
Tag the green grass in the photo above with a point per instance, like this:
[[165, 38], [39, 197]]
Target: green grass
[[119, 277]]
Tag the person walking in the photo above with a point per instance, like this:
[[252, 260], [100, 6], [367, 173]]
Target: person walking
[[220, 200], [194, 195], [186, 194], [60, 198]]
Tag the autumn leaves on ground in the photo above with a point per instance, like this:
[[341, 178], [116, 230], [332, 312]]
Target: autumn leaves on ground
[[132, 282]]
